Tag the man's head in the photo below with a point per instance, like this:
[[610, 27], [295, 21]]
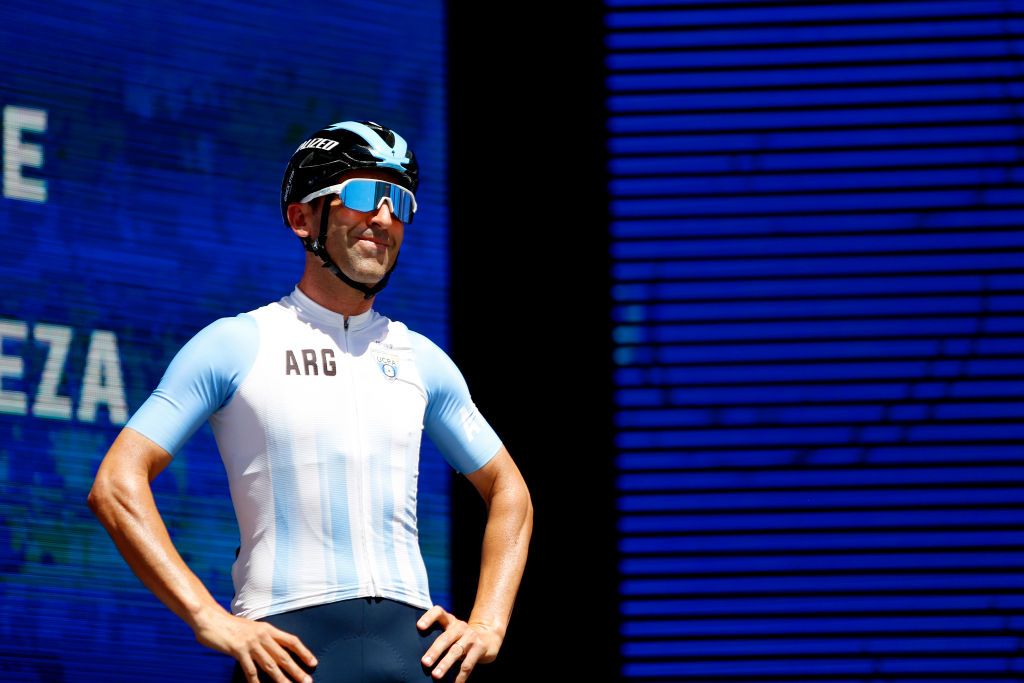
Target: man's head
[[336, 169], [361, 236]]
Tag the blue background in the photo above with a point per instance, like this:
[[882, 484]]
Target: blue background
[[814, 313], [817, 226], [168, 127]]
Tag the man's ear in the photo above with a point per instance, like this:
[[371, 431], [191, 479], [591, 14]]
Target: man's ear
[[300, 219]]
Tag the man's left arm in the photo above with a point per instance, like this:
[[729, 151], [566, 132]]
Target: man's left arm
[[503, 559]]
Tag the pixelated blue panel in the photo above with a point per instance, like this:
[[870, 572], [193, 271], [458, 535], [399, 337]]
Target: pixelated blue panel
[[143, 152], [818, 266]]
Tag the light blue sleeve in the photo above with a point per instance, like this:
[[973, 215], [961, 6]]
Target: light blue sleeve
[[200, 380], [452, 422]]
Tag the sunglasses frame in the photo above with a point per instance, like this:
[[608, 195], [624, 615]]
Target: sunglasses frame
[[337, 189]]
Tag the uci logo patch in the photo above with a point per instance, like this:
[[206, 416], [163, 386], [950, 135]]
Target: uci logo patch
[[388, 366]]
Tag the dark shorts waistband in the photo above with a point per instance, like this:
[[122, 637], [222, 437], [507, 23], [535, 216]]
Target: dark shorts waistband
[[360, 640]]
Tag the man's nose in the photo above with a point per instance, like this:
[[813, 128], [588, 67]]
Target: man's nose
[[383, 216]]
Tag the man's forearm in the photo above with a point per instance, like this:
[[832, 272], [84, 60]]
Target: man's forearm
[[127, 510], [503, 557]]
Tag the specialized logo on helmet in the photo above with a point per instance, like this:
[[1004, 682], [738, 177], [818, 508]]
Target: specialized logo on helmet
[[390, 157], [318, 143]]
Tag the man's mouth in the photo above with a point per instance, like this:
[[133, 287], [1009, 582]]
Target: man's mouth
[[383, 243]]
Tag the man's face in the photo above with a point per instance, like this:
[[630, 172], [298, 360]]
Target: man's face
[[364, 244]]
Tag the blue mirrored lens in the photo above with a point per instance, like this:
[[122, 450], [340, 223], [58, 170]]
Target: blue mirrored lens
[[366, 194]]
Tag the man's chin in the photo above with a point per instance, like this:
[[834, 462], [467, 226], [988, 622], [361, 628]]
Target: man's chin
[[367, 271], [368, 278]]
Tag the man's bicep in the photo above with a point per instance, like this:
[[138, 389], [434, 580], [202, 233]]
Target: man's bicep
[[485, 478], [133, 454]]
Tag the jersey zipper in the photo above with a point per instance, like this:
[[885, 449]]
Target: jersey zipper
[[361, 469]]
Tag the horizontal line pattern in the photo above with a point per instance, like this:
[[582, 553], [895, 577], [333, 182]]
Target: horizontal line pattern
[[817, 219]]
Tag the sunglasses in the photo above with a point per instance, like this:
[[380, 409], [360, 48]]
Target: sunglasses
[[367, 194]]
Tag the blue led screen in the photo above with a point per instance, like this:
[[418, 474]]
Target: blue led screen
[[143, 149], [817, 223]]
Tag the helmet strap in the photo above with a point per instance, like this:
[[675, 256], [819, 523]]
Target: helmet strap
[[319, 248]]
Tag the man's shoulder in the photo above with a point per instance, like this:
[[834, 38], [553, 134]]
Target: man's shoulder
[[434, 362], [226, 338], [276, 307], [418, 341], [244, 328]]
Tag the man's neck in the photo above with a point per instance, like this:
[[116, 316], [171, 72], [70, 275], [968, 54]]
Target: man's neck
[[320, 285]]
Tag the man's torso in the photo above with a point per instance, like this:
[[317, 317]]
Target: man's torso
[[319, 426]]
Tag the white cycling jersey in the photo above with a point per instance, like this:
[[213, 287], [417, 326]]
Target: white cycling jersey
[[318, 422]]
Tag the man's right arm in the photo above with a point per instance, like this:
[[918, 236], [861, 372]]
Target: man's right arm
[[122, 499], [201, 379]]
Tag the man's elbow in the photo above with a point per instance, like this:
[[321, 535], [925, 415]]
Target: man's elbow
[[529, 507], [109, 494], [98, 499], [520, 495], [512, 497]]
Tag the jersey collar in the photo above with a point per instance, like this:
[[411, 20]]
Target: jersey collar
[[313, 310]]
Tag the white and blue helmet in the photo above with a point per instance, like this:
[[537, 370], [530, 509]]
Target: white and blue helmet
[[345, 146], [331, 151]]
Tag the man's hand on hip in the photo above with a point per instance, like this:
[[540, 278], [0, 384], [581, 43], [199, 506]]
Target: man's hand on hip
[[256, 644], [472, 643]]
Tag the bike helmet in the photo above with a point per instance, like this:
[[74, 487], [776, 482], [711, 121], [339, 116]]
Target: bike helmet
[[331, 151]]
